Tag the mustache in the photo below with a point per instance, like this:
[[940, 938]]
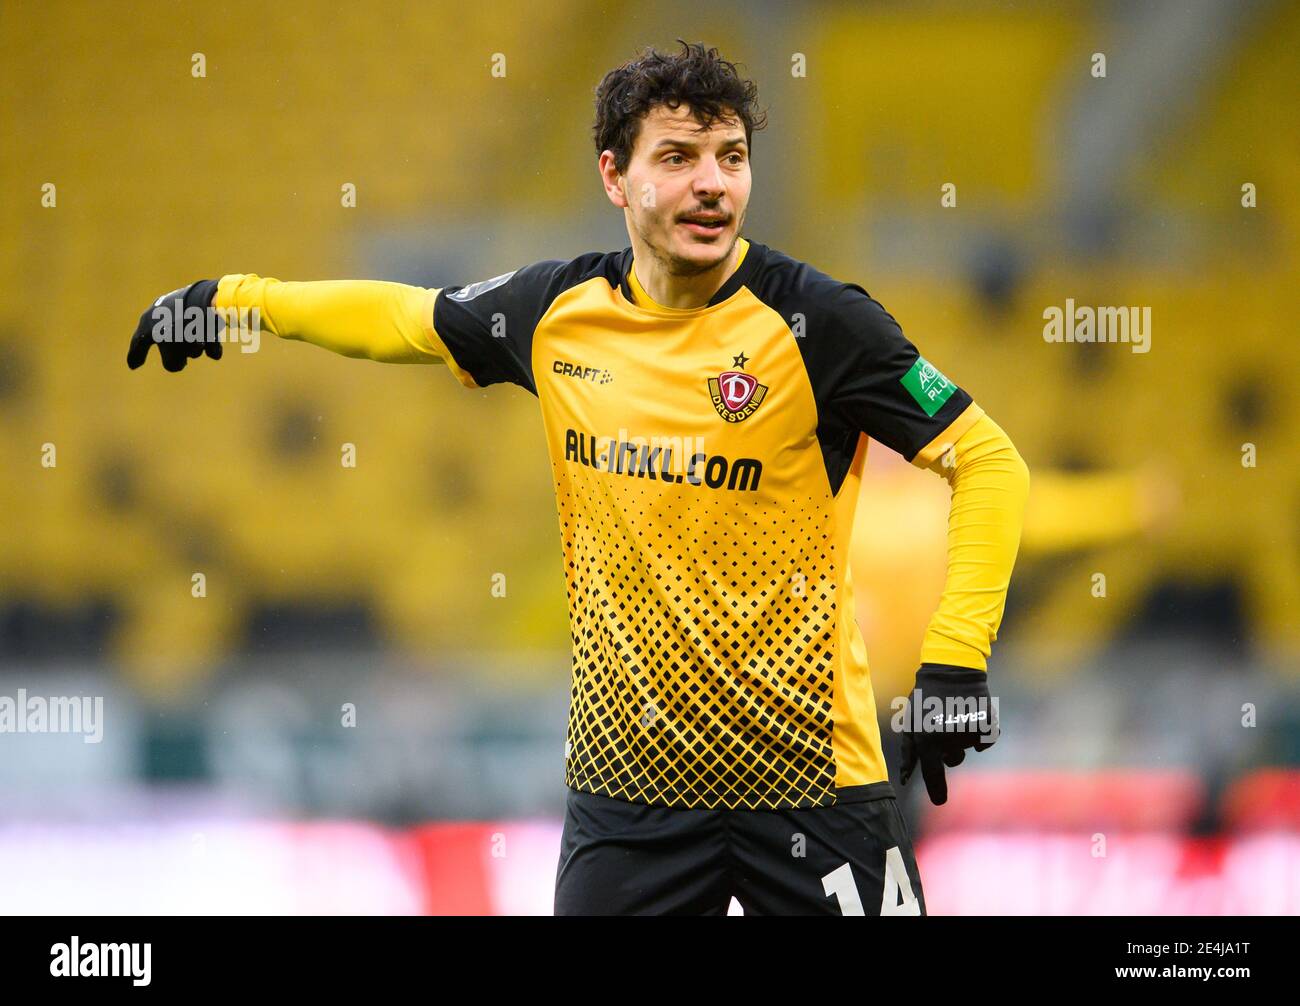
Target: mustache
[[719, 214]]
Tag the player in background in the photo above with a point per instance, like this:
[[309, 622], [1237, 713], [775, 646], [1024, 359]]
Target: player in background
[[707, 402]]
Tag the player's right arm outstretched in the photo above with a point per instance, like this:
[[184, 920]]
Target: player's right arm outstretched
[[370, 319], [483, 331]]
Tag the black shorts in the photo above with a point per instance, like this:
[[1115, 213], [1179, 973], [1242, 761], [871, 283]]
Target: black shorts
[[620, 858]]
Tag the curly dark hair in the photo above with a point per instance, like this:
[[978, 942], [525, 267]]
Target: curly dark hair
[[697, 77]]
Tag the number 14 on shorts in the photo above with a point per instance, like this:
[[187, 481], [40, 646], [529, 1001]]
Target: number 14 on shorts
[[897, 898]]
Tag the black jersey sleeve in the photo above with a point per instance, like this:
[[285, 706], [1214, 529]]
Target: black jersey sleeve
[[866, 375], [488, 326], [873, 379]]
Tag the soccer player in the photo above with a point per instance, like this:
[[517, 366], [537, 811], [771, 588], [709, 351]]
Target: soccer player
[[707, 402]]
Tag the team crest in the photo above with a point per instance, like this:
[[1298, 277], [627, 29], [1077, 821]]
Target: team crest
[[736, 395]]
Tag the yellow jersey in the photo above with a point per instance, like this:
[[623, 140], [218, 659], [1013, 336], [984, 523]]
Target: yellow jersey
[[706, 466]]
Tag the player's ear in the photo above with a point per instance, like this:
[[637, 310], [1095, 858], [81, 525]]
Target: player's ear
[[612, 180]]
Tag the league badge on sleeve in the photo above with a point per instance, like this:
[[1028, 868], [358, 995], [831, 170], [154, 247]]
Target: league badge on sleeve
[[929, 387]]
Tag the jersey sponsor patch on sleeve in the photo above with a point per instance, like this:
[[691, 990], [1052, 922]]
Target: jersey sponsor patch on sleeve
[[929, 387]]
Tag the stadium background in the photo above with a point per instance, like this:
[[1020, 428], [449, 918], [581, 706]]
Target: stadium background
[[1151, 761]]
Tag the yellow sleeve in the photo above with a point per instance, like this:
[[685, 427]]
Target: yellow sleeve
[[990, 486], [370, 319]]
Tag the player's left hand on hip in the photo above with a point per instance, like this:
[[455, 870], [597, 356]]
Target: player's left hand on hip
[[948, 711]]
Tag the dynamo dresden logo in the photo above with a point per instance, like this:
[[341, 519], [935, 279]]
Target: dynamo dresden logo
[[736, 395]]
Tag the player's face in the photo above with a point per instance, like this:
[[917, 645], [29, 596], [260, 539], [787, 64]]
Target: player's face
[[687, 189]]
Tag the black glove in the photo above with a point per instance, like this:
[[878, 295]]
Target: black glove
[[948, 711], [176, 351]]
